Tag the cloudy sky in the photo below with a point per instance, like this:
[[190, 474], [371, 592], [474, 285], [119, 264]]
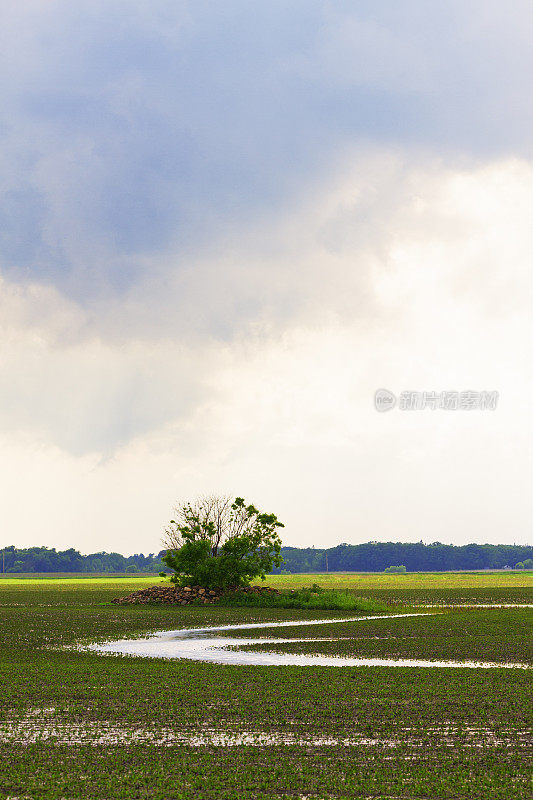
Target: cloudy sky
[[224, 225]]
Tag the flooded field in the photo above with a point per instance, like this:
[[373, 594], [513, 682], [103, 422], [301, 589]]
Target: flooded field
[[203, 644], [75, 723]]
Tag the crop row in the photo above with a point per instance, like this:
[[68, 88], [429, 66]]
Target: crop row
[[42, 678], [496, 635]]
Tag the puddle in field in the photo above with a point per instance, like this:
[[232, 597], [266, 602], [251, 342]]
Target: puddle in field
[[202, 644], [47, 725]]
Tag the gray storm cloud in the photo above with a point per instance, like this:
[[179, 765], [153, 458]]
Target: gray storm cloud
[[224, 225], [132, 134]]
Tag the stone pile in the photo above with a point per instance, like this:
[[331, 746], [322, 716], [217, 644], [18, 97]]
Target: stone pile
[[182, 596]]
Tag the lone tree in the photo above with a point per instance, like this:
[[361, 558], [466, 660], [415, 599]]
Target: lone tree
[[218, 542]]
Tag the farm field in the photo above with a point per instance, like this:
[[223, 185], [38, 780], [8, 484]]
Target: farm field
[[496, 635], [77, 724], [425, 580], [422, 587], [369, 583]]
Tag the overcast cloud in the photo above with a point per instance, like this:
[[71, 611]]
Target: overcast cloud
[[223, 226]]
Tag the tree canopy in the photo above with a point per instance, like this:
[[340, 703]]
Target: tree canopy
[[46, 559], [416, 556], [368, 557], [220, 542]]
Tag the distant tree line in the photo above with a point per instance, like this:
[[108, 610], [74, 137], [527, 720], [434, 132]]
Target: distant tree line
[[44, 559], [370, 557], [416, 556]]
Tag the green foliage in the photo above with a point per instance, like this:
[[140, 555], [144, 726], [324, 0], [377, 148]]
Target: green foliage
[[417, 557], [399, 570], [219, 551], [312, 598], [519, 565], [49, 560], [369, 557]]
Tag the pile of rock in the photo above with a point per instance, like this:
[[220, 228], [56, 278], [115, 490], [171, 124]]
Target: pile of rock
[[182, 596]]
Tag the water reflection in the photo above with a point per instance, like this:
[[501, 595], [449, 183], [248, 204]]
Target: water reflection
[[202, 644]]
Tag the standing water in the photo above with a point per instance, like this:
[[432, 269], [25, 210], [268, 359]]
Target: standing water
[[202, 644]]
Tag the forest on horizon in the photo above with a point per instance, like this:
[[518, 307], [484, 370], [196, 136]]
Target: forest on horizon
[[368, 557]]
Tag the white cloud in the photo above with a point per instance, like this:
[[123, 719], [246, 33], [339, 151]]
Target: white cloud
[[397, 274]]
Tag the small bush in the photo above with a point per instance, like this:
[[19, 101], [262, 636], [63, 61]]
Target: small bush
[[399, 570], [312, 597]]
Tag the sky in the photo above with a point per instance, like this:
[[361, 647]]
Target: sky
[[224, 226]]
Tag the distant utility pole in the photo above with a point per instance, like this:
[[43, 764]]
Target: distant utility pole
[[327, 568], [3, 560]]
